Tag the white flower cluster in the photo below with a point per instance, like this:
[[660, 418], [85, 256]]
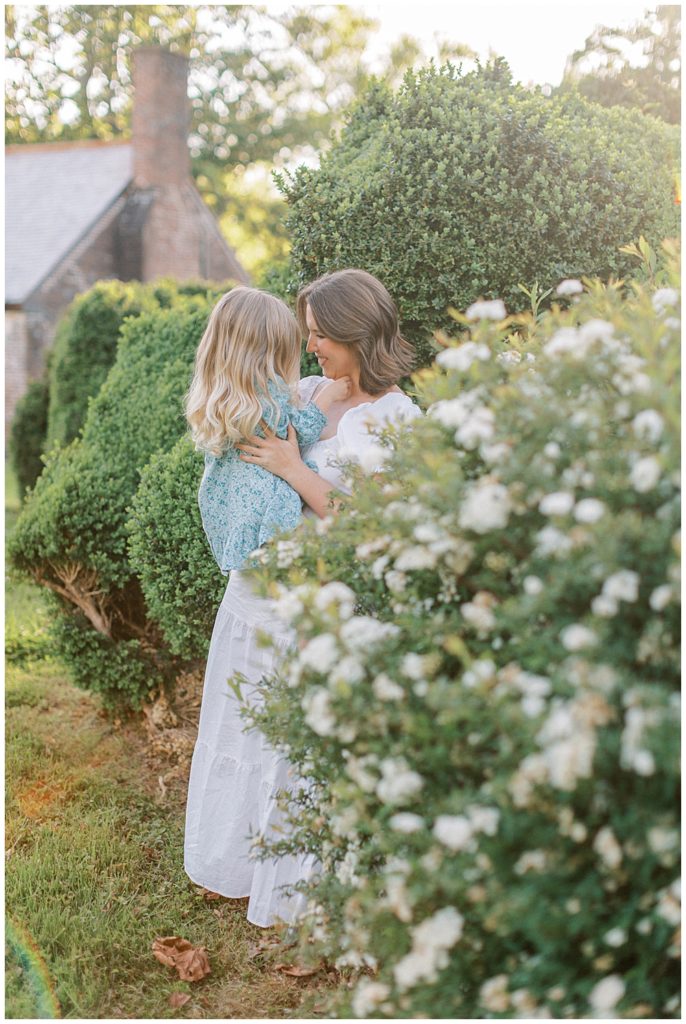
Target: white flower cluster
[[373, 547], [605, 995], [431, 941], [577, 342], [399, 784], [493, 309], [648, 425], [559, 503], [608, 849], [568, 742], [457, 831], [287, 552], [386, 688], [406, 822], [368, 996], [478, 612], [620, 586], [669, 903], [665, 299], [335, 595], [461, 357], [577, 637], [346, 869], [486, 506], [320, 654], [630, 377], [570, 286], [645, 474], [319, 715], [534, 689], [638, 720], [473, 420], [362, 632]]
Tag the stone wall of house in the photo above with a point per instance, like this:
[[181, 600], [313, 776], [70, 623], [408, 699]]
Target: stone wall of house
[[93, 259], [171, 236], [16, 373], [181, 239]]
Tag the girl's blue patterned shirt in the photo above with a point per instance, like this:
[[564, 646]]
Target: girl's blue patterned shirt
[[242, 505]]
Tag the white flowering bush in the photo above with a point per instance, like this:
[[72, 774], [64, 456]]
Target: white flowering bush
[[484, 695]]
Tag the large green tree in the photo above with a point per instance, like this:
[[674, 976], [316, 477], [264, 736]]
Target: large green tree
[[639, 66], [266, 89], [260, 83]]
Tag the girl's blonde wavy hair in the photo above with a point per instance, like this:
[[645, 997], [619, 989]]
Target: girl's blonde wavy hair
[[251, 340]]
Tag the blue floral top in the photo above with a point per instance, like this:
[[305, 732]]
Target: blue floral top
[[242, 505]]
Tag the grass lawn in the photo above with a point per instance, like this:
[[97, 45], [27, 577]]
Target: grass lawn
[[94, 862]]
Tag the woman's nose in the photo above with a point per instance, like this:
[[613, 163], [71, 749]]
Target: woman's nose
[[310, 344]]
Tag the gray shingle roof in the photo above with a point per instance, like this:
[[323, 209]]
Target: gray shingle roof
[[53, 195]]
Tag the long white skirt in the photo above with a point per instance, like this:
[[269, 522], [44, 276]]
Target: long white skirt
[[235, 775]]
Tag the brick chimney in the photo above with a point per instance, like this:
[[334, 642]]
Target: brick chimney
[[161, 118]]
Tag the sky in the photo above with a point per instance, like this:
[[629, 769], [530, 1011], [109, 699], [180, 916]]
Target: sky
[[536, 39]]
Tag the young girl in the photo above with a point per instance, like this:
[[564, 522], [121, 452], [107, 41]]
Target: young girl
[[246, 369]]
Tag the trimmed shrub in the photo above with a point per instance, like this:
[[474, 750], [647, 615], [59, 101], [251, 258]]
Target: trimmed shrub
[[462, 187], [85, 349], [86, 343], [28, 433], [485, 691], [169, 552], [71, 535]]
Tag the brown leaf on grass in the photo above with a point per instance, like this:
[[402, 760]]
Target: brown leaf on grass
[[189, 961], [178, 999], [168, 948], [296, 970], [207, 893], [193, 964]]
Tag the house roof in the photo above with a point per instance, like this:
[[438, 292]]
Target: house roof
[[55, 192]]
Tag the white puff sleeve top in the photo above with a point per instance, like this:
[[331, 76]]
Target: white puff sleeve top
[[354, 437]]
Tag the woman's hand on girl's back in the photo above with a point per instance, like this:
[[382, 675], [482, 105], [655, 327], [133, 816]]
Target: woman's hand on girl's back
[[278, 456]]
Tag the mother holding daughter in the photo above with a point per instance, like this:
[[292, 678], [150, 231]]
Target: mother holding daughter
[[271, 447]]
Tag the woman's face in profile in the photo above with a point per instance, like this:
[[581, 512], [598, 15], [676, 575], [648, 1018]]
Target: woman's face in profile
[[335, 359]]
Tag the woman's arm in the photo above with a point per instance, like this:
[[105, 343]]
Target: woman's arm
[[283, 459]]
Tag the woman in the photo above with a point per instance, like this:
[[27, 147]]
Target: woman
[[351, 325]]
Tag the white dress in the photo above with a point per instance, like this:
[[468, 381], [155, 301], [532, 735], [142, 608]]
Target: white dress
[[235, 775]]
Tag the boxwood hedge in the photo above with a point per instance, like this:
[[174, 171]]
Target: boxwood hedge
[[27, 434], [86, 343], [71, 535], [464, 186]]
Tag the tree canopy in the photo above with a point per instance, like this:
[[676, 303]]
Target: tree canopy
[[639, 66], [266, 89]]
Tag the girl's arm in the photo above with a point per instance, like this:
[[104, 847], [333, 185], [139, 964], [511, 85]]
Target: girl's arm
[[283, 459]]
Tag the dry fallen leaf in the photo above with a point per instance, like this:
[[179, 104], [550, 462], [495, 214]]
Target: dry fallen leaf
[[189, 961], [168, 948], [296, 970], [178, 999], [207, 893], [193, 964]]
